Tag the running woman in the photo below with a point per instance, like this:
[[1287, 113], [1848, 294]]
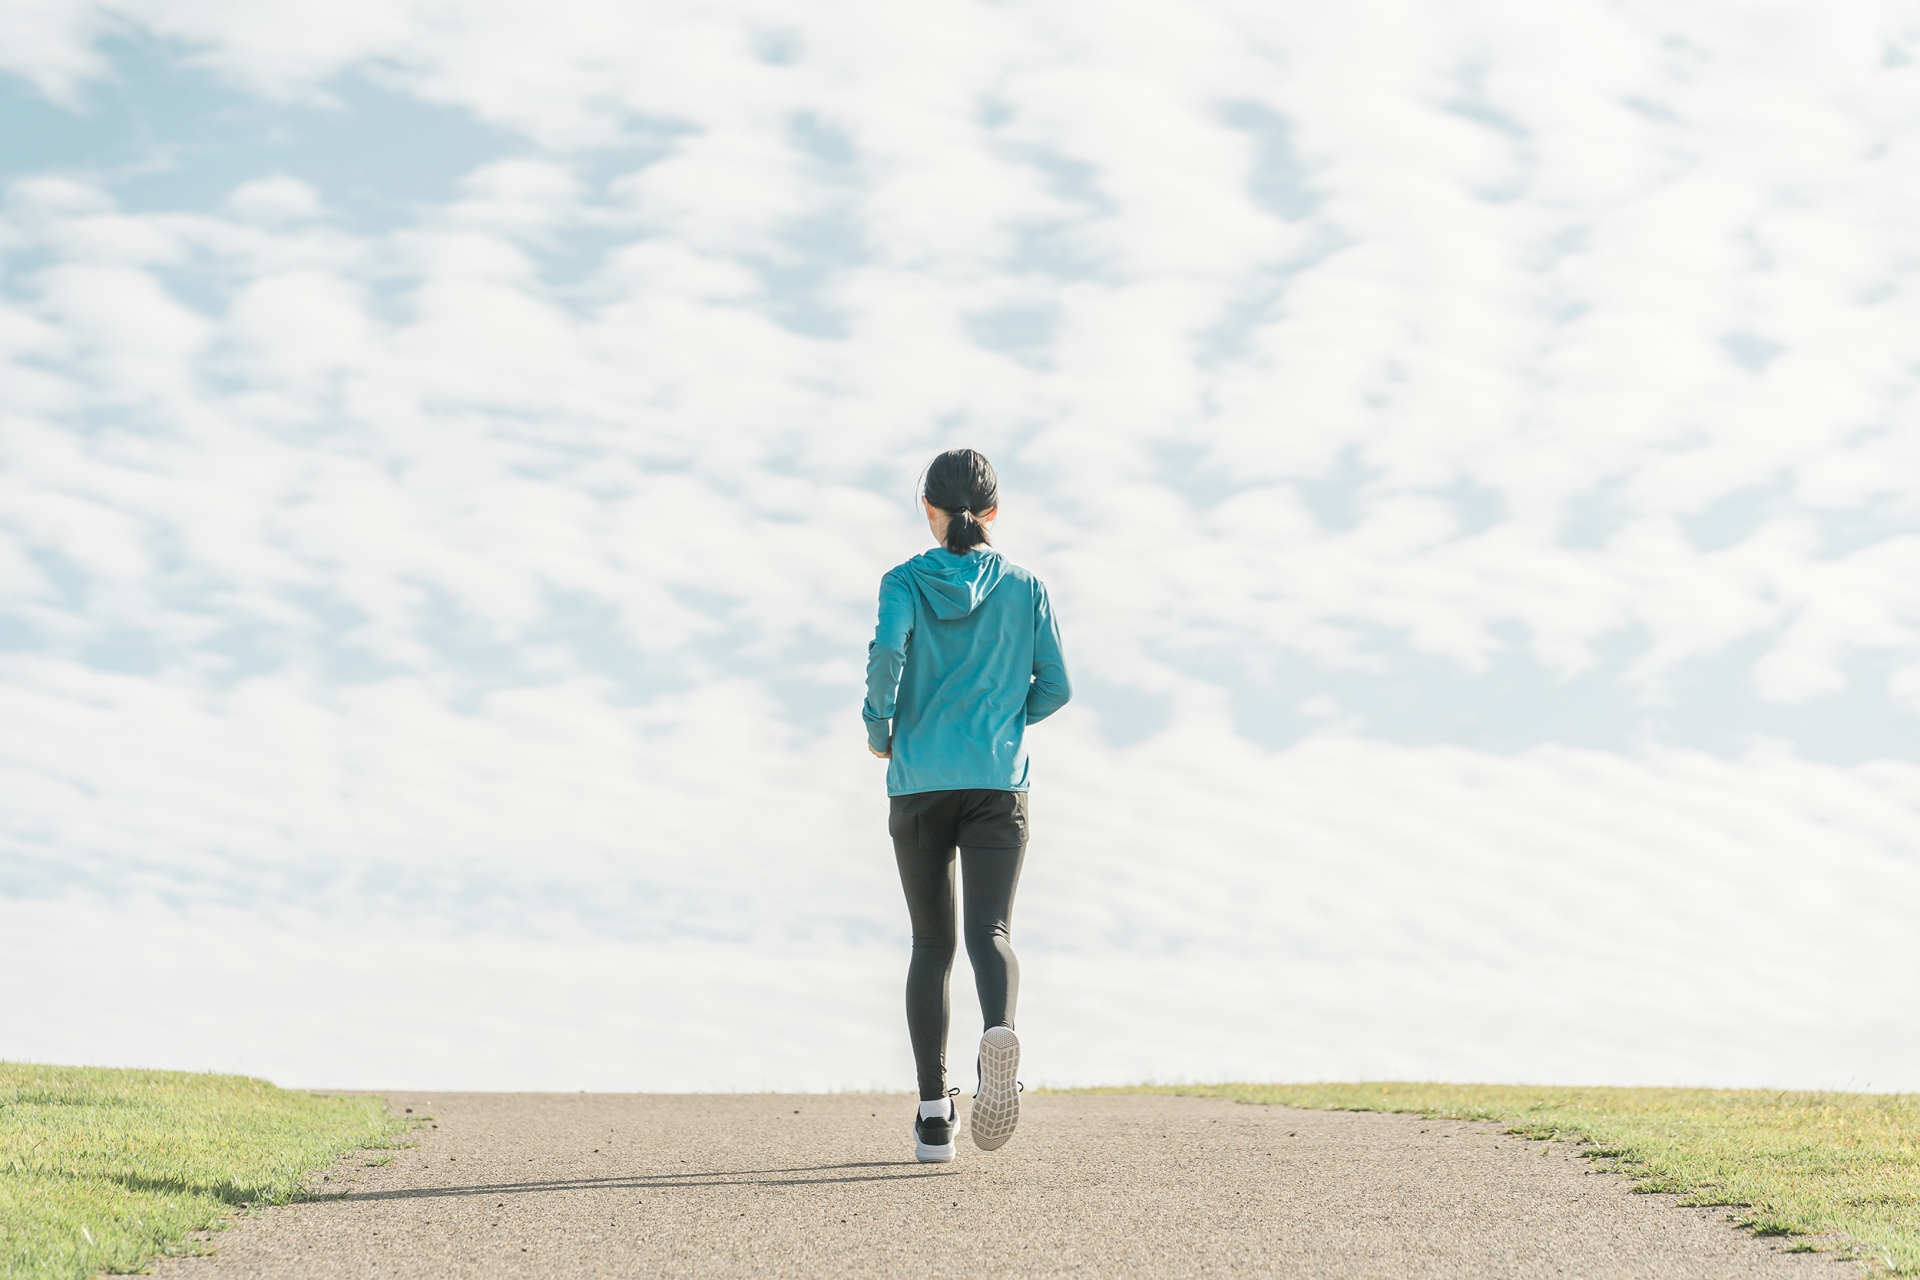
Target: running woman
[[966, 656]]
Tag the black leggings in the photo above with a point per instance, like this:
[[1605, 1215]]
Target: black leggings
[[989, 829]]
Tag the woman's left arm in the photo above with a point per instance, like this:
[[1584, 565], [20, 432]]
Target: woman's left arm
[[1050, 688]]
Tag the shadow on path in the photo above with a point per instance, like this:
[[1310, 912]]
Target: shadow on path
[[660, 1181]]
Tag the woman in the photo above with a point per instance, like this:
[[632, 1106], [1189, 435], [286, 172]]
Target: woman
[[966, 656]]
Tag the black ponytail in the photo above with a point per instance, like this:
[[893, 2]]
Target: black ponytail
[[961, 483]]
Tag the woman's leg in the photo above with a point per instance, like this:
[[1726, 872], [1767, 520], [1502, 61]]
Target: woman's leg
[[989, 878], [926, 874]]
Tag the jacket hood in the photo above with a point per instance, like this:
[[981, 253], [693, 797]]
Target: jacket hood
[[954, 586]]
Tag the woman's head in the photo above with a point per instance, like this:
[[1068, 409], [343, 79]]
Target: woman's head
[[961, 485]]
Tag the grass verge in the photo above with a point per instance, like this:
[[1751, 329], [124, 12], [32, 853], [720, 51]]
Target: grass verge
[[1840, 1165], [102, 1169]]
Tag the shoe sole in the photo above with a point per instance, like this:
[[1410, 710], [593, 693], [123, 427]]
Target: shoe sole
[[996, 1108], [932, 1155]]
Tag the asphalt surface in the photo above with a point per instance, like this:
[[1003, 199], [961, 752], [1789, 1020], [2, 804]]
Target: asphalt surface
[[509, 1185]]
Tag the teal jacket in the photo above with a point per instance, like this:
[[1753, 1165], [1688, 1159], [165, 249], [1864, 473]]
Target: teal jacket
[[966, 656]]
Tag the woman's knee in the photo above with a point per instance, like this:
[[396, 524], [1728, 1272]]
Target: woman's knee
[[937, 945], [995, 939]]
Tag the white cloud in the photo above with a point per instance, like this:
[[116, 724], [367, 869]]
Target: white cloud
[[273, 199], [303, 323], [50, 44]]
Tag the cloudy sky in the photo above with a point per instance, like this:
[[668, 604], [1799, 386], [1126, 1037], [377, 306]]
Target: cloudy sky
[[448, 452]]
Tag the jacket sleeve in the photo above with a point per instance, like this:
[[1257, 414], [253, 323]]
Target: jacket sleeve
[[886, 658], [1050, 689]]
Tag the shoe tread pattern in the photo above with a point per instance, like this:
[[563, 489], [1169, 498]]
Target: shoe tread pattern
[[996, 1108]]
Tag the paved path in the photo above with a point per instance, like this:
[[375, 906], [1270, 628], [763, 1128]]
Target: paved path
[[571, 1185]]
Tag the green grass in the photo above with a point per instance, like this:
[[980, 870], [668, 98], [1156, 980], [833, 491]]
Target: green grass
[[101, 1169], [1843, 1166]]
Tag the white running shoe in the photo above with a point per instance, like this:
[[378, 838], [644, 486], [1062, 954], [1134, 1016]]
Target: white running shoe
[[996, 1107], [933, 1136]]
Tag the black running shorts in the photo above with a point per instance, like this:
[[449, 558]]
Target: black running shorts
[[977, 819]]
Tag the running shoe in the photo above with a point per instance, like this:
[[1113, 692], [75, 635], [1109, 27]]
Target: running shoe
[[996, 1107], [933, 1136]]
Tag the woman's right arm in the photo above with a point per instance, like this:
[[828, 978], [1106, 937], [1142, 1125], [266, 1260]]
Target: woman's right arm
[[886, 658]]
